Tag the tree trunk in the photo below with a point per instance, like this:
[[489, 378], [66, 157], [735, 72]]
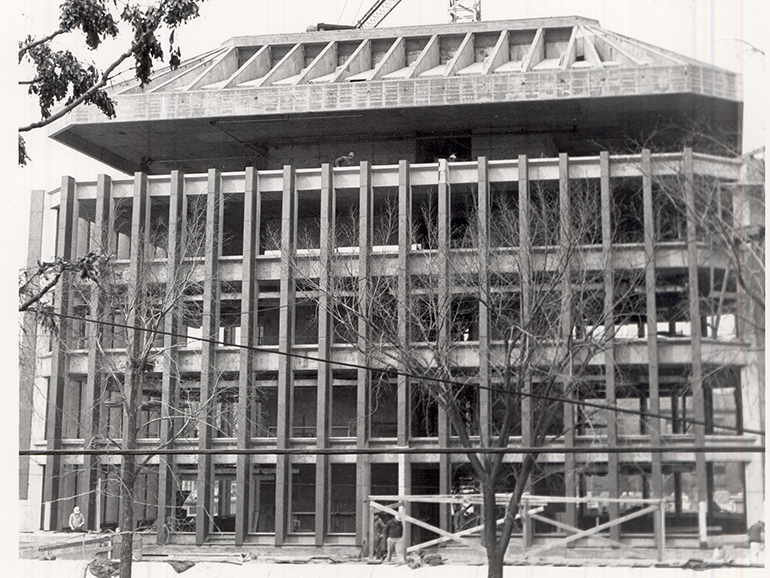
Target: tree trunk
[[495, 566], [127, 479], [128, 475], [495, 554]]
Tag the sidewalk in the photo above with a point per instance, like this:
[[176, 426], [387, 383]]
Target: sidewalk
[[77, 569]]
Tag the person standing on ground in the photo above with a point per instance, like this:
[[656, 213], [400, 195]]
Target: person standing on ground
[[77, 522], [380, 545], [394, 534]]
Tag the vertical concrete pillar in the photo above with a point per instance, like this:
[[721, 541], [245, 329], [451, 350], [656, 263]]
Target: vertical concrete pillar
[[444, 318], [695, 323], [653, 423], [95, 378], [167, 486], [609, 336], [485, 394], [29, 345], [59, 362], [363, 471], [405, 489], [285, 340], [324, 352], [752, 374], [210, 326], [404, 245], [404, 333], [567, 241], [525, 265], [252, 202], [132, 379]]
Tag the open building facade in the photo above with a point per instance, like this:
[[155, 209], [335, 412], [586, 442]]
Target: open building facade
[[447, 124]]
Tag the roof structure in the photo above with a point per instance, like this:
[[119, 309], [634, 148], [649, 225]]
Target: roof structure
[[496, 74]]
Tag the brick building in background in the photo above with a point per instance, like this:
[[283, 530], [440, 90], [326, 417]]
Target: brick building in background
[[454, 117]]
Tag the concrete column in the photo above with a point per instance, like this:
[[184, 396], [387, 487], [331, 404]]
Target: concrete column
[[567, 242], [653, 424], [752, 374], [485, 394], [167, 486], [404, 333], [285, 339], [404, 489], [609, 336], [95, 378], [252, 201], [363, 471], [28, 350], [132, 382], [210, 326], [325, 321], [695, 323], [444, 318], [404, 245], [59, 360], [525, 251]]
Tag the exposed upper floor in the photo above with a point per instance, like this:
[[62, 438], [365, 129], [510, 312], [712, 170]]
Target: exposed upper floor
[[494, 89]]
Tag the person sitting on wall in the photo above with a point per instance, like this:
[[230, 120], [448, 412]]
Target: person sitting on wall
[[394, 535], [77, 521]]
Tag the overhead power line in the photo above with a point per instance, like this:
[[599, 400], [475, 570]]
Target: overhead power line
[[395, 450]]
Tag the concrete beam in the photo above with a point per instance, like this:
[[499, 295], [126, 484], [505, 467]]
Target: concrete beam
[[394, 59], [29, 345], [463, 57], [500, 54], [167, 483], [696, 384], [653, 367], [404, 244], [285, 339], [589, 50], [566, 241], [609, 345], [569, 56], [208, 374], [428, 58], [485, 376], [325, 339], [324, 63], [525, 250], [363, 377], [54, 518], [249, 307], [222, 67], [536, 51], [359, 61], [254, 68], [289, 65]]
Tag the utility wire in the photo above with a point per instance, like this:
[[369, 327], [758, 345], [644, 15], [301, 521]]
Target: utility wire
[[396, 372], [394, 450]]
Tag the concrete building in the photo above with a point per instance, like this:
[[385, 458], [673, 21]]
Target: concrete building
[[463, 115]]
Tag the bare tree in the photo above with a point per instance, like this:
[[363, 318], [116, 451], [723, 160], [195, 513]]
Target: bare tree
[[521, 287], [133, 323]]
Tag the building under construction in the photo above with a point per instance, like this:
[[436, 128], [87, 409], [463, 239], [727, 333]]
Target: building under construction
[[262, 174]]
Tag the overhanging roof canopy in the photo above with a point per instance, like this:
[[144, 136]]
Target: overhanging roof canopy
[[218, 109]]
